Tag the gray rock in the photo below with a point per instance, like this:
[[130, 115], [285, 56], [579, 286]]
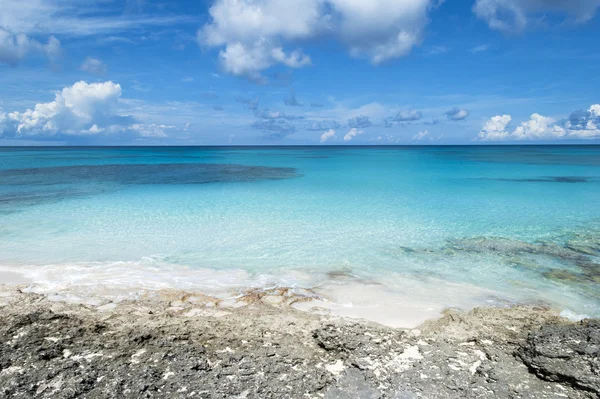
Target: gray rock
[[151, 349], [353, 384], [565, 353]]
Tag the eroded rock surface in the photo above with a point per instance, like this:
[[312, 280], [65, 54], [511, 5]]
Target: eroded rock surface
[[178, 345], [566, 353]]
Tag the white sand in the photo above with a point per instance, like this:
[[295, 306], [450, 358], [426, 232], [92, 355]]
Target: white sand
[[12, 278]]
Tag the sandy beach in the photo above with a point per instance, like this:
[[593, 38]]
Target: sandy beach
[[177, 344], [11, 278]]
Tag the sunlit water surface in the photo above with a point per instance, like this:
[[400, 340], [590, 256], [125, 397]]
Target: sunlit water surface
[[394, 234]]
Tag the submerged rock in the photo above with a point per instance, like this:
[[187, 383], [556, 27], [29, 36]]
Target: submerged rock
[[509, 246], [565, 353]]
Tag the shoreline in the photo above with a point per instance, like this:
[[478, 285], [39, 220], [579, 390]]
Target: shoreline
[[177, 344], [337, 295]]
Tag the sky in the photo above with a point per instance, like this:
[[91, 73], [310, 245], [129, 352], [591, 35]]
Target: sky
[[299, 72]]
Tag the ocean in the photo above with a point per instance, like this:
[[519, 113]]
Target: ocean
[[392, 234]]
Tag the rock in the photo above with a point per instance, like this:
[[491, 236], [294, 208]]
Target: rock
[[565, 353], [352, 384], [51, 349]]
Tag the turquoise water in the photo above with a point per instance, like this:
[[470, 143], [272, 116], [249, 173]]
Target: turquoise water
[[428, 226]]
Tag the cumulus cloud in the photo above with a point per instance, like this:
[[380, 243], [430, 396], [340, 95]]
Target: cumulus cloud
[[15, 47], [585, 123], [582, 124], [359, 122], [515, 15], [327, 135], [352, 134], [94, 66], [381, 29], [495, 128], [79, 110], [457, 114], [252, 33], [538, 127]]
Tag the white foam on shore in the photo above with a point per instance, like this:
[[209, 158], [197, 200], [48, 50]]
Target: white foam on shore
[[403, 301], [568, 314]]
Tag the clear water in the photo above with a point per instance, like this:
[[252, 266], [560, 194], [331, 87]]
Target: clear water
[[394, 227]]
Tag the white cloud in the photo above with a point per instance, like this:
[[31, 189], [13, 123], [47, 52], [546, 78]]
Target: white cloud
[[94, 66], [251, 33], [583, 124], [328, 135], [403, 117], [421, 135], [352, 133], [81, 109], [15, 47], [296, 59], [381, 29], [457, 114], [408, 116], [515, 15], [151, 130], [538, 127], [495, 128]]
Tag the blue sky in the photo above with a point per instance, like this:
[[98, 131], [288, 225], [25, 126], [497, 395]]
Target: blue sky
[[279, 72]]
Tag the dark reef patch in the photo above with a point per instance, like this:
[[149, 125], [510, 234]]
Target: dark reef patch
[[527, 155], [180, 173], [547, 179], [31, 186]]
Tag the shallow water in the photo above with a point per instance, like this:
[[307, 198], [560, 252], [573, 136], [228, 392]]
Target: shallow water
[[385, 231]]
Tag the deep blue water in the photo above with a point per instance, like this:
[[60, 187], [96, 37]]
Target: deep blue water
[[438, 226]]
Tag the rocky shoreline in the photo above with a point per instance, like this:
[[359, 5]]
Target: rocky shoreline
[[180, 345]]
